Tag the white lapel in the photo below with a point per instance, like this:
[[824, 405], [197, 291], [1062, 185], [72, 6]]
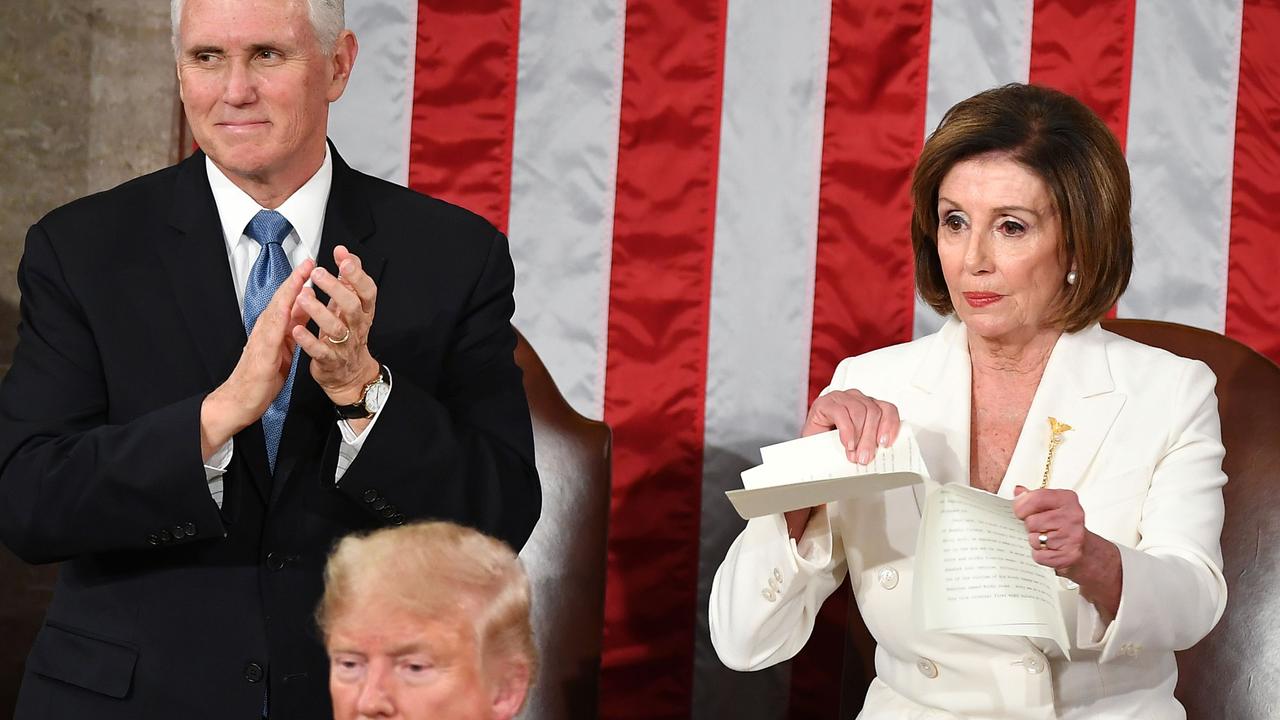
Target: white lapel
[[1076, 389], [941, 422]]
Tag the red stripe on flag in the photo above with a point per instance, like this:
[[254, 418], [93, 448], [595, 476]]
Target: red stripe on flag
[[1253, 297], [464, 93], [877, 74], [1085, 48], [660, 284]]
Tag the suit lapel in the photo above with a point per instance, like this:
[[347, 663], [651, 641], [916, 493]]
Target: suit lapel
[[194, 261], [1076, 389], [944, 375], [348, 220]]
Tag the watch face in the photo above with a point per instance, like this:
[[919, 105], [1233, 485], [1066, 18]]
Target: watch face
[[376, 396]]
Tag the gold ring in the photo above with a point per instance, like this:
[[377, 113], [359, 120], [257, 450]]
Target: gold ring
[[1044, 541], [340, 340]]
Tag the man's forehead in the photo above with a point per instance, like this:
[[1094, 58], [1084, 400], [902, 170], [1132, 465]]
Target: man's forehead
[[244, 22]]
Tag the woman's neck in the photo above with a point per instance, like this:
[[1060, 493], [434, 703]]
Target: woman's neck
[[1021, 357]]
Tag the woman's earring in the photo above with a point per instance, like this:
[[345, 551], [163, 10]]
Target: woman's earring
[[1071, 277]]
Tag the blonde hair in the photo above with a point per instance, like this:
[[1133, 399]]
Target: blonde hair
[[436, 569]]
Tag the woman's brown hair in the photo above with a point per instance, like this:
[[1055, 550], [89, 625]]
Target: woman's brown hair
[[1064, 143]]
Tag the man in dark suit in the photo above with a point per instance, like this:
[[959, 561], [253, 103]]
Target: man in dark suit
[[228, 364]]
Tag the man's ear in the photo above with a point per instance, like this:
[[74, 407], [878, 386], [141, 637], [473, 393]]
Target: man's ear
[[344, 58], [509, 690]]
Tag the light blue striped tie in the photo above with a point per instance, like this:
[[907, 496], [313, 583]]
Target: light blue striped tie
[[272, 267]]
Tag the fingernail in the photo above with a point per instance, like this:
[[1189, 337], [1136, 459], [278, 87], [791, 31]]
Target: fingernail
[[864, 457], [884, 440], [850, 448], [348, 267]]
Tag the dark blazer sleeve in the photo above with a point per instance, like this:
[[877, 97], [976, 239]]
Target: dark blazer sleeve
[[465, 451], [71, 482]]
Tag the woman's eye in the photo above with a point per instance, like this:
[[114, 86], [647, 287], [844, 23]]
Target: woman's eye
[[1012, 228], [953, 222]]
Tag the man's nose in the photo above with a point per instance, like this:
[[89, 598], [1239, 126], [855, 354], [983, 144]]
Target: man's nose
[[375, 700], [241, 86]]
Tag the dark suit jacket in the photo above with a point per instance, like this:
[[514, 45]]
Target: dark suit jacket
[[166, 606]]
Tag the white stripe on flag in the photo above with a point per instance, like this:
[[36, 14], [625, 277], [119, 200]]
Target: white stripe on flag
[[1182, 117], [761, 292], [972, 46], [370, 123], [563, 176]]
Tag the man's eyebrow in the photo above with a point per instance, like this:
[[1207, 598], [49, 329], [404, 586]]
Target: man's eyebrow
[[202, 49]]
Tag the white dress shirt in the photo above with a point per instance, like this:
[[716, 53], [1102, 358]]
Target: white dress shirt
[[304, 210]]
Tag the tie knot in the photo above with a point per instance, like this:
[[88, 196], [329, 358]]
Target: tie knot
[[268, 227]]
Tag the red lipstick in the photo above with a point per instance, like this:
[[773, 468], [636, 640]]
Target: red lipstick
[[981, 299]]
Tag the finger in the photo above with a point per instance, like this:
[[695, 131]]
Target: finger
[[1031, 502], [315, 348], [339, 292], [890, 423], [351, 270], [848, 418], [867, 437], [327, 322], [275, 316]]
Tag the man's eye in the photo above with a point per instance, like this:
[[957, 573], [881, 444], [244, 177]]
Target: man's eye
[[269, 55]]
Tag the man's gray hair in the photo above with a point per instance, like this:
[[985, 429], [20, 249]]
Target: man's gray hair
[[328, 20]]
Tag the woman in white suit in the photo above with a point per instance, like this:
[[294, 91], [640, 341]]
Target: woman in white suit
[[1021, 234]]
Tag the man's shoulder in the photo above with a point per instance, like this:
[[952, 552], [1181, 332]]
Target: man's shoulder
[[130, 201], [402, 206]]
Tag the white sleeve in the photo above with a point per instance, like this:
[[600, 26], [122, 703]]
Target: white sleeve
[[767, 592], [217, 467], [1173, 589]]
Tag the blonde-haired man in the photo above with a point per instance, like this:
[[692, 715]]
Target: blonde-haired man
[[429, 620]]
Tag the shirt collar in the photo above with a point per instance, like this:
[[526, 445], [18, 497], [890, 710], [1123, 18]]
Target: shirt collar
[[304, 209]]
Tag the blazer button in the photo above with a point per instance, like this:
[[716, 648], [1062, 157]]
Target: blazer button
[[370, 495], [378, 504], [888, 578], [1033, 664], [178, 531], [777, 574], [388, 512], [927, 668], [190, 529], [769, 595], [253, 672], [153, 539], [275, 561], [165, 536], [398, 519]]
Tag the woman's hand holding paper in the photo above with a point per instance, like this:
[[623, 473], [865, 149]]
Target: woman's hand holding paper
[[1056, 531]]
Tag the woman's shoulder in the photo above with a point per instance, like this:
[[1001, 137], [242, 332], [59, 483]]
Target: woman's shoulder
[[889, 364], [1147, 366]]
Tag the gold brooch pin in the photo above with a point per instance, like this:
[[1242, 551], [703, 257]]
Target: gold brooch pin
[[1055, 439]]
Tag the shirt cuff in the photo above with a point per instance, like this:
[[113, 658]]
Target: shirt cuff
[[353, 441], [216, 468]]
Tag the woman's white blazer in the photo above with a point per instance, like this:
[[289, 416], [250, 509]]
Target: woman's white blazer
[[1145, 456]]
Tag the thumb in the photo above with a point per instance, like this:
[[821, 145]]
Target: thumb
[[1018, 490]]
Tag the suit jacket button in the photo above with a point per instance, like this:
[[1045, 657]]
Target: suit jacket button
[[398, 519], [189, 529], [178, 531], [927, 668], [253, 672], [275, 561], [165, 536], [153, 539], [888, 578], [370, 495], [379, 504], [388, 512]]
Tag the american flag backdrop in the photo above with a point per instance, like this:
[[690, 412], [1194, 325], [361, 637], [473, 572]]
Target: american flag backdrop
[[707, 202]]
